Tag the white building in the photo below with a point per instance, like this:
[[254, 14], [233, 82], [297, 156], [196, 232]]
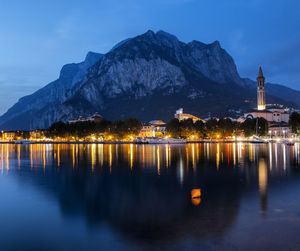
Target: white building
[[272, 115], [281, 130]]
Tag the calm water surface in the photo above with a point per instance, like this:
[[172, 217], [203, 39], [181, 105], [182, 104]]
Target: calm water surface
[[137, 197]]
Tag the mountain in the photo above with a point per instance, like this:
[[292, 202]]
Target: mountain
[[26, 112], [147, 77]]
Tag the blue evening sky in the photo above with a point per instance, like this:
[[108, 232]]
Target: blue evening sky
[[38, 37]]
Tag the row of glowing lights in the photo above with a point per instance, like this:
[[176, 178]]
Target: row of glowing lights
[[132, 138], [10, 136], [150, 155]]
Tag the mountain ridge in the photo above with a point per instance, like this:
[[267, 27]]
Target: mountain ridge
[[138, 77]]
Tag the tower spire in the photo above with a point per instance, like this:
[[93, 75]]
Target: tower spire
[[260, 72], [261, 97]]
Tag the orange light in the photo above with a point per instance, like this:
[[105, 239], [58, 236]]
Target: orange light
[[196, 193], [196, 196], [196, 202]]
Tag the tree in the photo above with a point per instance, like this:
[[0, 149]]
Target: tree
[[124, 128], [253, 126], [226, 127], [57, 129], [212, 128], [173, 128], [187, 128], [294, 122], [81, 129], [200, 128]]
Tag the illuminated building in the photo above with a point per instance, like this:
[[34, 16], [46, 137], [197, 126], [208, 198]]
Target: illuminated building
[[36, 135], [184, 116], [159, 127], [96, 118], [274, 114], [8, 136], [261, 96], [147, 131], [154, 128], [279, 130]]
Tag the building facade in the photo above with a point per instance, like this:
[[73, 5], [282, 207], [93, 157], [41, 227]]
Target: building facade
[[272, 115], [9, 136], [180, 115], [37, 135], [281, 130], [155, 128]]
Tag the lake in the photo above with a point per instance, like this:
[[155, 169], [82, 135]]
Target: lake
[[138, 197]]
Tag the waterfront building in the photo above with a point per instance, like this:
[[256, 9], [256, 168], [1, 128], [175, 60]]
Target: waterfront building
[[155, 128], [37, 135], [272, 114], [9, 136], [159, 127], [147, 131], [281, 130], [180, 115]]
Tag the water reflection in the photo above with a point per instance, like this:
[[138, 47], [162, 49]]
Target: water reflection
[[158, 158], [144, 191], [277, 157], [263, 183]]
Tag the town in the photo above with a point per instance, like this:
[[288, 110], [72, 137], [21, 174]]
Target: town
[[263, 124]]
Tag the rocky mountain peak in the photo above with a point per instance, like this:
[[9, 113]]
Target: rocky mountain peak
[[144, 77], [167, 36], [68, 71], [195, 43], [92, 57], [160, 38], [215, 44]]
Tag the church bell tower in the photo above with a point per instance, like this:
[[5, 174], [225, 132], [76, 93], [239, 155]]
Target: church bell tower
[[261, 96]]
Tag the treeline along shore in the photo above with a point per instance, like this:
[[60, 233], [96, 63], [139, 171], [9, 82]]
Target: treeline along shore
[[130, 129]]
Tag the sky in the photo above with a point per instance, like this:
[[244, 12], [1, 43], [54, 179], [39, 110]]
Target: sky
[[38, 37]]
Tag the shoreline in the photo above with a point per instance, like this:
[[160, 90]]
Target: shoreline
[[213, 141]]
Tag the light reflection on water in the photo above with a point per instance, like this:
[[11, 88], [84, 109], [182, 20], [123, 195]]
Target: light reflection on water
[[143, 193], [277, 156]]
